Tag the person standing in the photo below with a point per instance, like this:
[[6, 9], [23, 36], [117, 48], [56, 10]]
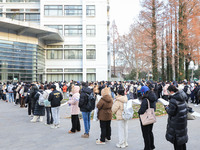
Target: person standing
[[75, 110], [177, 119], [118, 108], [47, 104], [105, 115], [10, 93], [64, 88], [85, 91], [55, 97], [147, 129]]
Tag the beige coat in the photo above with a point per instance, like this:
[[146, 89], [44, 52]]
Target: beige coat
[[118, 106]]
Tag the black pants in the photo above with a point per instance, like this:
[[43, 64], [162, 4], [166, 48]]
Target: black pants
[[49, 115], [179, 147], [197, 100], [29, 108], [105, 130], [75, 123], [148, 136]]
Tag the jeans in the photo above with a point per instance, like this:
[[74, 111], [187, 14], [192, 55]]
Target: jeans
[[105, 130], [75, 123], [113, 95], [56, 115], [123, 131], [86, 120], [64, 95], [11, 97], [49, 115]]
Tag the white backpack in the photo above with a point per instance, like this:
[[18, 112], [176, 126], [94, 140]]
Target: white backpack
[[41, 99], [128, 112], [188, 91]]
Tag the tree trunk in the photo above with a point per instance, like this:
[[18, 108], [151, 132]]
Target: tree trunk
[[181, 40], [154, 43], [163, 61]]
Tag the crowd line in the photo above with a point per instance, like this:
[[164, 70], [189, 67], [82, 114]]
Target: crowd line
[[108, 98]]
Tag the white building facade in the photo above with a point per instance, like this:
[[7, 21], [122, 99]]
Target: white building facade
[[84, 55]]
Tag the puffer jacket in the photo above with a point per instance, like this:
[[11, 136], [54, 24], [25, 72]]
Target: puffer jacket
[[85, 91], [39, 110], [177, 118], [105, 105], [75, 110], [151, 96], [118, 106]]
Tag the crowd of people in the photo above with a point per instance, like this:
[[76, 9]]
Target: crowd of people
[[39, 97]]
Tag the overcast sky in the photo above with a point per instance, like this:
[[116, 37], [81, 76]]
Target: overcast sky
[[123, 12]]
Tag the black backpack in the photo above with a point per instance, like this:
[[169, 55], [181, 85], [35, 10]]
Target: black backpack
[[91, 102]]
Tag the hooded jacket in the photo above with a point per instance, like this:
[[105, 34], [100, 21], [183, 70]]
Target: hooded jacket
[[105, 105], [85, 91], [177, 118], [75, 110], [151, 96], [55, 97], [118, 106]]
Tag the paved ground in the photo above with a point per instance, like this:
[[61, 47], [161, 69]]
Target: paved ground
[[18, 133]]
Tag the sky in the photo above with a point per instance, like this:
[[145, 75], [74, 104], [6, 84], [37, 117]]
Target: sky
[[123, 12]]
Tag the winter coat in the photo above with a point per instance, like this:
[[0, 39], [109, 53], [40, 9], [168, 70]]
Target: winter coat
[[55, 97], [177, 119], [85, 91], [33, 91], [118, 106], [75, 110], [151, 96], [165, 89], [39, 110], [105, 105]]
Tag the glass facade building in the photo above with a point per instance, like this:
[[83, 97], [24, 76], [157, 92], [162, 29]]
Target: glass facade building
[[21, 61]]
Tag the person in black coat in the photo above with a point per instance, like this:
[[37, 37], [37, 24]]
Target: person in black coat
[[39, 111], [147, 129], [177, 120]]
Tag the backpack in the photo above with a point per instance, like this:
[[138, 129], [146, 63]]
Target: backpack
[[41, 99], [91, 102], [131, 89], [128, 112], [188, 91]]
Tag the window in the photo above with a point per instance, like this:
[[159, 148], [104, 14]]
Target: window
[[53, 10], [73, 70], [73, 54], [54, 77], [0, 12], [91, 77], [73, 76], [14, 1], [91, 70], [90, 10], [32, 10], [90, 52], [58, 27], [15, 10], [32, 17], [54, 70], [74, 46], [15, 16], [73, 30], [54, 54], [73, 10], [54, 46], [91, 30], [32, 1]]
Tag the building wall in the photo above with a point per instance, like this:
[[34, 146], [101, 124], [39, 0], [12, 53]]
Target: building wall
[[98, 67]]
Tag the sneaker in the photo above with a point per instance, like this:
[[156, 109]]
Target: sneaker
[[85, 135], [58, 126], [196, 105], [120, 145], [108, 140], [53, 127], [98, 142]]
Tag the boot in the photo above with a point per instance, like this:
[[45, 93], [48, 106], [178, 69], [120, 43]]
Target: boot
[[34, 118]]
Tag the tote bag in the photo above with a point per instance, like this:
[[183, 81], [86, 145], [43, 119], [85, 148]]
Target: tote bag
[[149, 116]]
